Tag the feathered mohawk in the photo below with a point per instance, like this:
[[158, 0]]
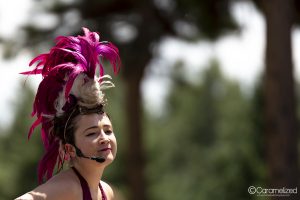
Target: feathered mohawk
[[69, 66]]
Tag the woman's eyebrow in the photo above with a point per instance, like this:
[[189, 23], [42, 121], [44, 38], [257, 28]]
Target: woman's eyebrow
[[93, 127], [107, 126]]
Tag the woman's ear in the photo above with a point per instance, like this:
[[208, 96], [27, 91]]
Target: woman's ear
[[70, 149]]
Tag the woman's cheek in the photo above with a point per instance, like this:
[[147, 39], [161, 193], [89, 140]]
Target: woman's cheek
[[115, 147]]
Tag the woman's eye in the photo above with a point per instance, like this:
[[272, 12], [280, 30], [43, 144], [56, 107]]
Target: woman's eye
[[91, 134], [108, 132]]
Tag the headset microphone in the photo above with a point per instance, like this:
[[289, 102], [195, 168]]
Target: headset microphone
[[80, 154], [98, 159]]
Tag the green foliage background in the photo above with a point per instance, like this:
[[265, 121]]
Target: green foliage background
[[207, 144]]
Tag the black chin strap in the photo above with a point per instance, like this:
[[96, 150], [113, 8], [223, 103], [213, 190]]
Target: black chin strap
[[78, 151], [80, 154]]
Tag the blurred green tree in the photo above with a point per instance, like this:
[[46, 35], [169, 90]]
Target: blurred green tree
[[280, 120], [209, 144], [136, 27], [19, 157]]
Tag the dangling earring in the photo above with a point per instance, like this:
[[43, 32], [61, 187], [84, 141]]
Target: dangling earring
[[66, 156]]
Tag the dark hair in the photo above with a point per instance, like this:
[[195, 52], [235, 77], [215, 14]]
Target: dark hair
[[64, 126]]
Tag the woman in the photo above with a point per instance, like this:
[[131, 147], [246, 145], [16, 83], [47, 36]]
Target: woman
[[69, 105]]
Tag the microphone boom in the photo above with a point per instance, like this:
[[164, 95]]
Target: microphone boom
[[80, 154]]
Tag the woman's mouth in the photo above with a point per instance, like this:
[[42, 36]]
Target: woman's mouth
[[105, 149]]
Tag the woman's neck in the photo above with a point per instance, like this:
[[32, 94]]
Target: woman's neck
[[91, 173]]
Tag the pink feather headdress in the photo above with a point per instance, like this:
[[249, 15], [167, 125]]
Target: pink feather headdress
[[68, 71]]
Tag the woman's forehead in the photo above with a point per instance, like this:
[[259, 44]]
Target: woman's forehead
[[92, 120]]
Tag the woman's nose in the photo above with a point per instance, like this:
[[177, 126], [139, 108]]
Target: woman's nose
[[104, 141], [103, 138]]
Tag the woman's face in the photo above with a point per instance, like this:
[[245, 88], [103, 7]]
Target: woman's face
[[94, 136]]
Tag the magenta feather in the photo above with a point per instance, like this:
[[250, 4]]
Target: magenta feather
[[70, 57], [48, 162], [33, 126]]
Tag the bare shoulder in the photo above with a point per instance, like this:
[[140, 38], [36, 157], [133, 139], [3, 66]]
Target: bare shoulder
[[108, 190], [62, 186]]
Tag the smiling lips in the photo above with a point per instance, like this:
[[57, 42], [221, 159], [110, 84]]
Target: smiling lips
[[105, 149]]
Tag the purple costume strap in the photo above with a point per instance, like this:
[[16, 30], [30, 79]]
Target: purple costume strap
[[86, 195]]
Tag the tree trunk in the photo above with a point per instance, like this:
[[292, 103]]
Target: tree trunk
[[280, 105], [135, 149]]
